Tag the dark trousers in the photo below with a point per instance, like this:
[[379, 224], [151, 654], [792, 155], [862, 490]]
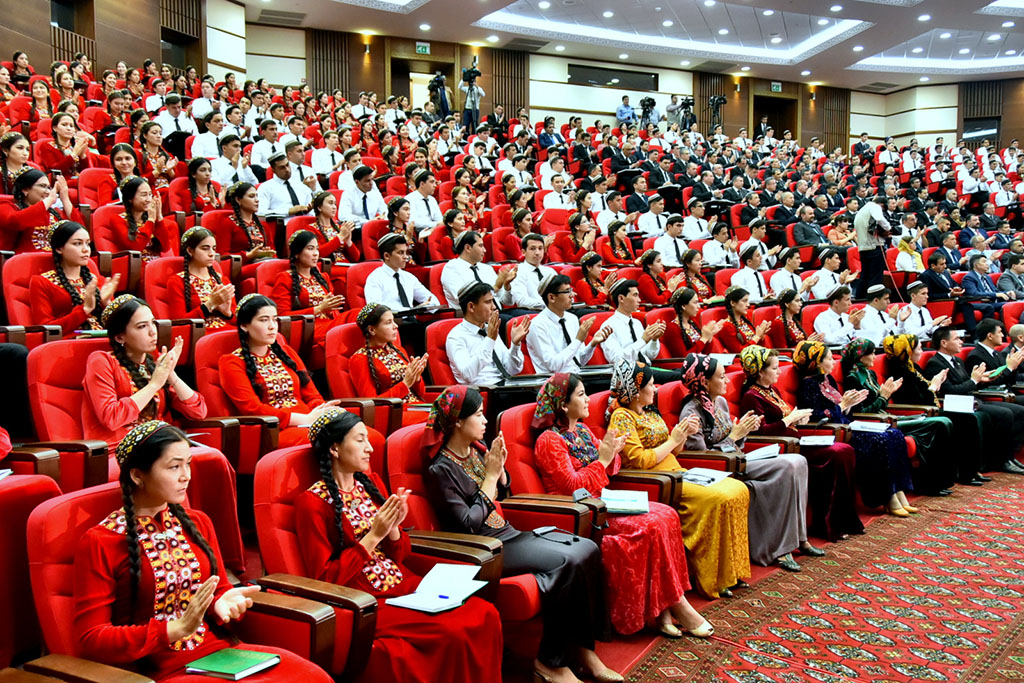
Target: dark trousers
[[14, 410], [988, 310], [1007, 431], [470, 119], [872, 270]]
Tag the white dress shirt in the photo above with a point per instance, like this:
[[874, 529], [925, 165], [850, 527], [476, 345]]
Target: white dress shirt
[[382, 288], [599, 201], [626, 339], [556, 200], [523, 178], [261, 152], [471, 356], [425, 212], [201, 106], [652, 224], [154, 102], [323, 160], [716, 256], [827, 281], [919, 324], [350, 208], [288, 137], [606, 217], [835, 329], [233, 129], [205, 145], [666, 246], [767, 261], [274, 199], [876, 325], [301, 172], [185, 123], [695, 228], [361, 110], [546, 343], [459, 271], [225, 173], [783, 280], [524, 287], [545, 179], [752, 281]]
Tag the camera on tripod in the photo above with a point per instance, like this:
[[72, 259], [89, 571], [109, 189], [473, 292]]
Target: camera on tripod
[[436, 83], [687, 102], [717, 100], [472, 73]]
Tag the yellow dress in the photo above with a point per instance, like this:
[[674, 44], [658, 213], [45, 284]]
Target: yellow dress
[[714, 518]]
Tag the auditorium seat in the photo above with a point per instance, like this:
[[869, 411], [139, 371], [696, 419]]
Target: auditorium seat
[[157, 295], [17, 273], [127, 264]]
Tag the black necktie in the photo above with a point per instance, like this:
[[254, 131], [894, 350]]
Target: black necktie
[[291, 193], [301, 178], [565, 332], [177, 125], [401, 292], [881, 317], [632, 332], [540, 277], [792, 279], [920, 315], [760, 287], [657, 220], [476, 273], [679, 256], [494, 356], [366, 213], [333, 159], [426, 200], [604, 204]]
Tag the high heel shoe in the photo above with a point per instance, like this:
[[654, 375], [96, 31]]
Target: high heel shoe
[[898, 512], [669, 630], [705, 630], [606, 676]]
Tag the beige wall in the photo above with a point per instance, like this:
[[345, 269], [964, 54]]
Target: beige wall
[[924, 112]]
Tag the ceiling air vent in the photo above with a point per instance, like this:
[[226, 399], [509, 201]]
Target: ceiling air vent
[[878, 86], [525, 45], [269, 16]]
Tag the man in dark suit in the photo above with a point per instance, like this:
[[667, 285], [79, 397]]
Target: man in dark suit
[[704, 190], [498, 123], [863, 147], [807, 232], [989, 337], [978, 285], [736, 193], [621, 158], [970, 230], [1012, 280], [988, 220], [763, 127], [1005, 435], [637, 202]]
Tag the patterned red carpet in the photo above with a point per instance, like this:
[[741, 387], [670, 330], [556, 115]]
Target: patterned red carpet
[[937, 597]]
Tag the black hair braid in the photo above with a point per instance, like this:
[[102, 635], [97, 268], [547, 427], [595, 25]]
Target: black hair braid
[[148, 411], [287, 360], [375, 493], [373, 368], [189, 527], [133, 227], [339, 513], [193, 192], [250, 362], [76, 298], [296, 286], [187, 277], [132, 534], [319, 277]]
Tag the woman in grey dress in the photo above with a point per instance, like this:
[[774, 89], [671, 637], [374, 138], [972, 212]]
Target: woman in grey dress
[[778, 485]]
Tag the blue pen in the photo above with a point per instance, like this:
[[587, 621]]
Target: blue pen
[[444, 597]]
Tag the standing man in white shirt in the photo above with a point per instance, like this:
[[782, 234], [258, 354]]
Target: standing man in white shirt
[[749, 279], [530, 274], [278, 196], [364, 202], [426, 215], [835, 325], [556, 340], [671, 244], [468, 266], [474, 347]]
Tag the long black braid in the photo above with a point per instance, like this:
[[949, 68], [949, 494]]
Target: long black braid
[[365, 322], [58, 239], [193, 241], [244, 316], [193, 188], [116, 324], [234, 198], [298, 242], [128, 191]]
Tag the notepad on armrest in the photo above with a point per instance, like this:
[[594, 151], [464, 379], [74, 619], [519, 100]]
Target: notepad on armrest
[[626, 502], [702, 476], [445, 587], [232, 664], [958, 403], [6, 473], [818, 440], [772, 450], [864, 426]]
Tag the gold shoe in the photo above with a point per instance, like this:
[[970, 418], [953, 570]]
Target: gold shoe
[[607, 676], [670, 630], [898, 512], [705, 630], [912, 510]]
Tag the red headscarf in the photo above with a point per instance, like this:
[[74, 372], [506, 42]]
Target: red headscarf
[[444, 413]]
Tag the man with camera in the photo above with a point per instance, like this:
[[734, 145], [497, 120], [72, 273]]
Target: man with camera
[[872, 228], [440, 95], [625, 114], [474, 93]]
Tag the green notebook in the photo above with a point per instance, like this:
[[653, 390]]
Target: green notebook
[[232, 664]]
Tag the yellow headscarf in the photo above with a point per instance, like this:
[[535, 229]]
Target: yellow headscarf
[[905, 246]]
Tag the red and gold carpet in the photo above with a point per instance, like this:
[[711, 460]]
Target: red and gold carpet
[[937, 597]]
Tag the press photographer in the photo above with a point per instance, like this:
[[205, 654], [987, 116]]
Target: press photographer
[[474, 93]]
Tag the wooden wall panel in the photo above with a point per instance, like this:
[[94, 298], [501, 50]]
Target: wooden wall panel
[[127, 30], [365, 70], [327, 60], [734, 112], [66, 44], [183, 16], [828, 117], [26, 27], [1013, 101], [511, 80]]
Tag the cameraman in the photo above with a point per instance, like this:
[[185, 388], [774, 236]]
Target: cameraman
[[673, 111], [440, 95], [474, 93], [870, 245], [625, 114]]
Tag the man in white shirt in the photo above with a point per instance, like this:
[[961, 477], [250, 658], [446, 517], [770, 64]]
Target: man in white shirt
[[351, 160], [468, 266], [627, 337], [671, 245], [483, 134], [362, 107], [301, 174], [613, 212], [327, 159], [519, 172], [694, 225], [556, 168], [558, 198], [233, 124], [835, 325], [483, 164], [474, 347], [363, 202], [749, 279], [425, 213], [720, 251], [599, 197], [155, 101], [265, 147], [208, 144], [880, 318], [652, 222], [418, 130], [556, 340], [296, 127], [786, 277], [919, 321], [278, 196], [530, 274], [232, 166], [391, 284], [174, 118], [205, 104], [829, 276], [758, 231]]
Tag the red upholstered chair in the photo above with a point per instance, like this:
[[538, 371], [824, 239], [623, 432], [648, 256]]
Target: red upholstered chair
[[19, 628], [155, 292], [88, 186], [809, 313], [437, 357], [356, 283], [127, 264], [267, 271], [723, 280], [498, 247], [371, 232], [280, 477], [54, 529], [17, 272], [554, 220]]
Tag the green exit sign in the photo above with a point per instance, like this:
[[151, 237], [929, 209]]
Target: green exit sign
[[776, 86], [422, 48]]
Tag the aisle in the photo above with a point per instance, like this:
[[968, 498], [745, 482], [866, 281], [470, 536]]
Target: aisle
[[936, 597]]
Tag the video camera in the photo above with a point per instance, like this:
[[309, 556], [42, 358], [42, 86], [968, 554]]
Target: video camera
[[687, 102], [436, 83], [717, 100], [472, 73]]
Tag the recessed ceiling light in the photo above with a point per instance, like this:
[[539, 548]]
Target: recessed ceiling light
[[945, 35], [768, 12], [608, 14], [685, 62], [965, 50], [666, 23], [492, 39], [805, 72], [709, 3], [723, 31], [623, 56], [925, 79], [925, 17], [994, 36], [917, 50], [559, 48], [836, 8], [776, 40], [744, 68], [822, 22], [1010, 52], [858, 48], [424, 27], [544, 4], [1008, 24]]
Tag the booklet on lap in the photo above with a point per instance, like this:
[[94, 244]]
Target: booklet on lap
[[445, 587], [232, 663]]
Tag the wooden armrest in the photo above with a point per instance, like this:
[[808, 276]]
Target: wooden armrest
[[269, 432], [316, 615], [285, 323], [165, 330], [790, 444], [19, 676], [76, 670], [96, 464], [86, 212], [179, 218], [365, 406], [106, 259], [395, 406], [598, 508], [576, 515], [875, 417], [45, 461], [642, 479], [734, 464], [490, 563], [234, 270], [930, 411], [16, 334], [994, 395], [481, 542], [230, 435]]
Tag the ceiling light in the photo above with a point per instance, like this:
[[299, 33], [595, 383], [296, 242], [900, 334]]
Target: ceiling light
[[965, 50], [723, 31], [492, 39], [685, 62], [925, 79], [858, 48], [945, 35], [805, 72], [608, 14], [994, 36], [836, 8], [1010, 52], [559, 48], [768, 12], [822, 22], [1008, 24], [917, 50], [925, 17], [623, 56], [424, 27], [544, 4], [666, 23], [744, 68], [776, 40], [709, 3]]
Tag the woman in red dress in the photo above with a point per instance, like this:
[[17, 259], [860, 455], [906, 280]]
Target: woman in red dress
[[30, 215], [643, 555], [204, 193], [688, 337], [7, 90], [127, 385], [739, 331], [440, 243], [106, 122], [571, 247], [591, 289], [248, 238], [15, 152], [463, 200], [617, 250], [70, 295], [125, 165], [134, 87], [333, 238], [64, 90], [787, 331], [303, 290], [126, 614], [383, 368], [522, 224], [351, 535], [39, 108], [68, 151], [198, 291], [142, 226], [22, 68], [693, 261], [654, 287], [261, 377], [155, 164]]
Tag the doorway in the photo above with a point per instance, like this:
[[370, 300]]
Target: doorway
[[782, 112], [409, 77]]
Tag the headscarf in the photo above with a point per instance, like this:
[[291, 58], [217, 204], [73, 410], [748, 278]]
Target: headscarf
[[753, 359], [696, 370], [900, 348], [551, 399], [627, 379], [904, 245], [444, 413], [807, 356], [854, 350], [135, 436]]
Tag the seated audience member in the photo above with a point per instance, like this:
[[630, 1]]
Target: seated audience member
[[441, 241], [592, 287], [557, 341], [694, 225], [838, 325], [1012, 280], [627, 336], [391, 284], [208, 144], [990, 337], [693, 278], [739, 330], [124, 165], [31, 214], [749, 278], [334, 239], [758, 232], [261, 377], [919, 321], [522, 227], [425, 213], [883, 469], [692, 338], [68, 152], [279, 196], [720, 251], [830, 277], [142, 227], [15, 152], [468, 266], [71, 295], [352, 536], [249, 239], [880, 317], [618, 250], [198, 291], [475, 350], [465, 480], [570, 248], [654, 287], [909, 259], [807, 231], [231, 166], [530, 274], [719, 550], [363, 202], [936, 472], [671, 245], [640, 591], [787, 330], [832, 495], [787, 277], [652, 222], [978, 286], [778, 499], [301, 173], [613, 213], [115, 591]]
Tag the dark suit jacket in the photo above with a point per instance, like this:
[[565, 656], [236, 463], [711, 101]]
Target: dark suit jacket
[[635, 202], [701, 192], [808, 233], [784, 216], [992, 361], [964, 239], [500, 128], [988, 222], [938, 285], [952, 258], [747, 215], [958, 381], [733, 196], [619, 161], [1002, 241], [657, 177], [862, 149], [973, 288]]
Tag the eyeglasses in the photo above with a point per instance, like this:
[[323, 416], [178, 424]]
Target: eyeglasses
[[565, 291]]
